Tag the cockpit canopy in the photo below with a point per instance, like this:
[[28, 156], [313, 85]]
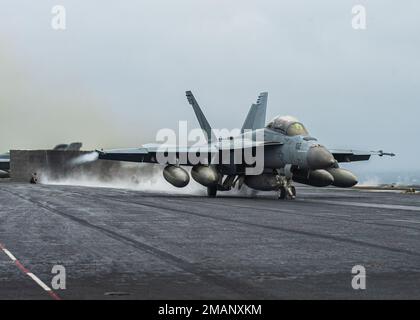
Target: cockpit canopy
[[288, 125]]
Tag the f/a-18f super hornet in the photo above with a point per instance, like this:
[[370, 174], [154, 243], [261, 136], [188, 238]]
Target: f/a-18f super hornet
[[289, 152]]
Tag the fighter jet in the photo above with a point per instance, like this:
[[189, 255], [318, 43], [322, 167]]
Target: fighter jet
[[4, 165], [290, 154]]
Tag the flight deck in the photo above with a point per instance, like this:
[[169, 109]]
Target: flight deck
[[126, 244]]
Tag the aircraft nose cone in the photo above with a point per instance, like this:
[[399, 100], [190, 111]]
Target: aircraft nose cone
[[319, 157]]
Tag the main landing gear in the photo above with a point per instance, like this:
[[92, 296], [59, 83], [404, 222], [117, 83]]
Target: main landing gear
[[229, 183], [212, 191], [286, 190]]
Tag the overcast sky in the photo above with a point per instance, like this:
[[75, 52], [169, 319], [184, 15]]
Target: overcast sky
[[120, 70]]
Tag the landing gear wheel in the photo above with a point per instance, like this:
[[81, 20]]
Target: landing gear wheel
[[293, 191], [282, 193], [211, 192], [287, 193]]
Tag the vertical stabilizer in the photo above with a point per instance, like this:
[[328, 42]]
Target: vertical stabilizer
[[204, 124], [257, 114]]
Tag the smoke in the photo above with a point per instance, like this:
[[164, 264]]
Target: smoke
[[84, 158], [370, 182], [401, 179], [85, 170], [140, 177]]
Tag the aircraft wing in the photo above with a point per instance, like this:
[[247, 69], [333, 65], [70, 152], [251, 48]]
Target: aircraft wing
[[244, 144], [130, 155], [354, 155], [148, 153]]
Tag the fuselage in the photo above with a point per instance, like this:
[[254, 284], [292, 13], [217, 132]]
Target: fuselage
[[292, 152]]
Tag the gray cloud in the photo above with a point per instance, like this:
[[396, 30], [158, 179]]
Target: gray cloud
[[119, 72]]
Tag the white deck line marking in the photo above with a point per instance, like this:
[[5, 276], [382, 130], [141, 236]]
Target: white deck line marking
[[410, 221], [38, 281], [11, 256], [369, 205], [30, 274]]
